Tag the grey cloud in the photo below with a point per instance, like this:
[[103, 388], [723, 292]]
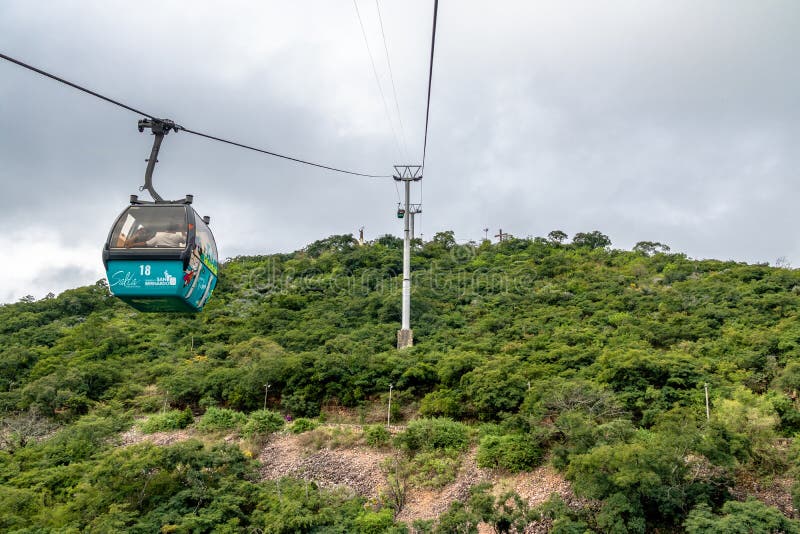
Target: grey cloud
[[672, 121]]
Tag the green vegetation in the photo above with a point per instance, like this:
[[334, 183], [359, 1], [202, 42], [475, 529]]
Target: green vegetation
[[302, 424], [262, 422], [377, 435], [330, 437], [512, 452], [505, 513], [171, 420], [744, 517], [434, 469], [224, 419], [534, 350], [433, 434]]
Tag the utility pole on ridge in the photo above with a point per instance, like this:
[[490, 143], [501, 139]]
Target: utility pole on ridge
[[407, 174]]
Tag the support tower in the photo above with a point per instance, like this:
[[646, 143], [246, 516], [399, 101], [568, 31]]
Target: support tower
[[407, 174]]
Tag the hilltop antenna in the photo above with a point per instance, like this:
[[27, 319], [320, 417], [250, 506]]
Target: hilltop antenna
[[407, 174]]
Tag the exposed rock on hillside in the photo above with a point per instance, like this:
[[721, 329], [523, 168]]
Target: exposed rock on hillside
[[357, 469]]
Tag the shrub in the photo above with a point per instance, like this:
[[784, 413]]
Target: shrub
[[443, 402], [513, 452], [221, 419], [376, 435], [748, 516], [78, 441], [16, 505], [262, 422], [435, 469], [565, 520], [434, 433], [397, 470], [301, 404], [301, 424], [172, 420], [752, 419], [370, 522], [329, 437], [458, 518], [645, 481]]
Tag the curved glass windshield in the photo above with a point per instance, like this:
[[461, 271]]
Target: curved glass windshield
[[151, 227]]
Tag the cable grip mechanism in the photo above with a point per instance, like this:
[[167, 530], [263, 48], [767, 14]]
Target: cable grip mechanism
[[159, 128]]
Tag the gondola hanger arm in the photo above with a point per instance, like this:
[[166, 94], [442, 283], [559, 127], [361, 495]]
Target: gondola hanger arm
[[159, 128]]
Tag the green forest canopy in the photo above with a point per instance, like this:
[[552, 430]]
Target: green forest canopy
[[593, 358]]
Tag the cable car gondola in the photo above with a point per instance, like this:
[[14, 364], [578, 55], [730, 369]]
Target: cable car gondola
[[161, 256]]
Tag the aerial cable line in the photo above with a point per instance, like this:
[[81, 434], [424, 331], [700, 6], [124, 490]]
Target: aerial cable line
[[391, 77], [430, 80], [76, 86], [290, 158], [187, 130], [378, 81]]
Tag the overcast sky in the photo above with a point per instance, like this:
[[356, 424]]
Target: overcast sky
[[671, 121]]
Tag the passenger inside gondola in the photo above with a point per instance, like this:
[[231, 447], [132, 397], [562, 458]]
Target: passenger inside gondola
[[171, 238], [158, 228]]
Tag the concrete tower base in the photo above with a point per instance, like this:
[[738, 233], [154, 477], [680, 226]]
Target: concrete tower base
[[405, 338]]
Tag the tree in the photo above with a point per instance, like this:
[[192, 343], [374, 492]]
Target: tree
[[789, 379], [592, 240], [752, 420], [749, 516], [650, 247], [495, 387], [390, 241], [398, 471], [458, 519], [506, 513], [445, 239], [644, 480], [557, 237], [337, 243], [25, 427]]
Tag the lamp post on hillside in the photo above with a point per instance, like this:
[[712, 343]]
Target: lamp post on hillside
[[266, 391], [389, 411]]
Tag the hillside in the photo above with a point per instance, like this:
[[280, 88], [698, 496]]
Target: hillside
[[589, 361]]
